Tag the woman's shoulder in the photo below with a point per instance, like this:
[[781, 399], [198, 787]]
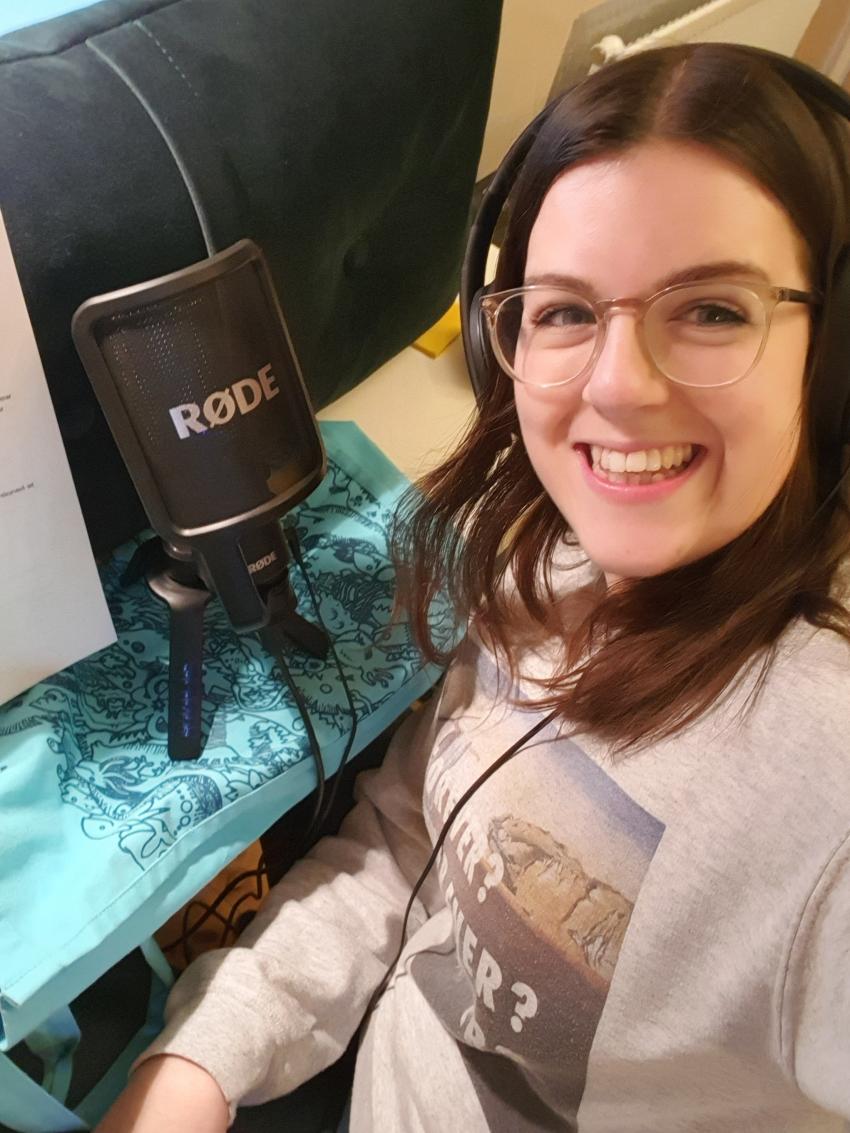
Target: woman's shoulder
[[803, 695], [805, 649]]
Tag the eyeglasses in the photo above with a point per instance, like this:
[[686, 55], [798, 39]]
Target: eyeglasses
[[705, 334]]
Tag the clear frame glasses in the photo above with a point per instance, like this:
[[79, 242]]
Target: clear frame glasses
[[704, 334]]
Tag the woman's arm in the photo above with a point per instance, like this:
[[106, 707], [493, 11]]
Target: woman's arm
[[815, 1000], [266, 1015], [168, 1095]]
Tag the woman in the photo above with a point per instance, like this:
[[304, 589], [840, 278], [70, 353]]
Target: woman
[[639, 921]]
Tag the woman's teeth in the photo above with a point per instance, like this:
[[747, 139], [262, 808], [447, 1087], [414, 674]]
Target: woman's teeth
[[645, 466]]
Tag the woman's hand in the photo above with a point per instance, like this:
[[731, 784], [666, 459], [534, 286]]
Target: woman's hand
[[168, 1094]]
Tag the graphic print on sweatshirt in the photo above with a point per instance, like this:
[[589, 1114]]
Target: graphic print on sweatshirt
[[541, 871]]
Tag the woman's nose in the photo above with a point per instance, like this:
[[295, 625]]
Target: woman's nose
[[624, 377]]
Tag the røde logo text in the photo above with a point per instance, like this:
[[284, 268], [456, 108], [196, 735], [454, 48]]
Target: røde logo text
[[261, 564], [222, 405]]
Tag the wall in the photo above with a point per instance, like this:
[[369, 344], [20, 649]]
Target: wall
[[533, 36], [534, 33]]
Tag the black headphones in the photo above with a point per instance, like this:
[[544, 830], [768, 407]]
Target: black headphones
[[835, 407]]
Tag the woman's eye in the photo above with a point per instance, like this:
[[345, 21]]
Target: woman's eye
[[565, 316], [714, 314]]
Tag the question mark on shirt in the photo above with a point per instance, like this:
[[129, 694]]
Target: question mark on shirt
[[472, 1031], [525, 1007], [493, 876]]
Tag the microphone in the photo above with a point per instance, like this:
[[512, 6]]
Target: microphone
[[201, 388]]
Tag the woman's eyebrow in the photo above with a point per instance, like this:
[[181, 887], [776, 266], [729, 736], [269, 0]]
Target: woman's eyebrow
[[716, 270], [695, 273]]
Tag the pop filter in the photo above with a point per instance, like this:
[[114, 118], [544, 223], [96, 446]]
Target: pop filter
[[199, 383]]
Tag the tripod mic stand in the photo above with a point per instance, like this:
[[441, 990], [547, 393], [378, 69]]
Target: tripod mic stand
[[174, 578]]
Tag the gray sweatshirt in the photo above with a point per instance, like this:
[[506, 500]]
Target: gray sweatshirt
[[655, 944]]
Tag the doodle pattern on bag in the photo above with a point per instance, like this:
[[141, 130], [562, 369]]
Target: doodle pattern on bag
[[104, 718]]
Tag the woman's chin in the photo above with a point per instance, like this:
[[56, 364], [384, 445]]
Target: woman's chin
[[618, 566]]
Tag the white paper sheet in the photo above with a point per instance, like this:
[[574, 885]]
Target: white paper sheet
[[52, 608]]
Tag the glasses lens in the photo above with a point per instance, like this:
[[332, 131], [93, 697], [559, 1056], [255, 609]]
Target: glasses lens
[[544, 336], [705, 334]]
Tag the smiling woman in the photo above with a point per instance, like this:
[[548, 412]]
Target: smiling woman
[[633, 787], [655, 399]]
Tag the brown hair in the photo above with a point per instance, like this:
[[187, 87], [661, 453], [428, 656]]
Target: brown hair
[[483, 517]]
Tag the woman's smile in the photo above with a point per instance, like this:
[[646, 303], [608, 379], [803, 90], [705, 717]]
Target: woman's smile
[[639, 466]]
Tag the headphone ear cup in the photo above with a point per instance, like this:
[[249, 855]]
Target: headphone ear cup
[[479, 355], [476, 343]]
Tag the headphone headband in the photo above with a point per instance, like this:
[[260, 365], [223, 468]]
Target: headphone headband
[[807, 80]]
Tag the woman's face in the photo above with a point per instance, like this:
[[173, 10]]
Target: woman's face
[[625, 226]]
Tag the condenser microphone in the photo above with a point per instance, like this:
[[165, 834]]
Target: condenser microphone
[[201, 388]]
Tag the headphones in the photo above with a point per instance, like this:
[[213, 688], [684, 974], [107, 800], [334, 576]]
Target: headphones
[[834, 407]]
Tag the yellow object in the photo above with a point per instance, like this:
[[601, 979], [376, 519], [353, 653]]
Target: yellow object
[[442, 334]]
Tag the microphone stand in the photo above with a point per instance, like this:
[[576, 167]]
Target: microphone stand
[[175, 580]]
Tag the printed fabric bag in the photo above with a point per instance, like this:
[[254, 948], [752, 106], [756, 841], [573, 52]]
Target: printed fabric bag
[[103, 838]]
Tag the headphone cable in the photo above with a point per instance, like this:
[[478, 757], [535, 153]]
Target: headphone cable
[[270, 638], [438, 845], [321, 813]]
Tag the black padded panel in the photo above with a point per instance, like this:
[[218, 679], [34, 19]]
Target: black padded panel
[[342, 137]]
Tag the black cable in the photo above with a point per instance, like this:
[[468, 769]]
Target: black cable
[[438, 845], [270, 639], [211, 911], [232, 924], [322, 807], [291, 533]]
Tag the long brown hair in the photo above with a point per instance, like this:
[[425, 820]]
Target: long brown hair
[[648, 657]]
